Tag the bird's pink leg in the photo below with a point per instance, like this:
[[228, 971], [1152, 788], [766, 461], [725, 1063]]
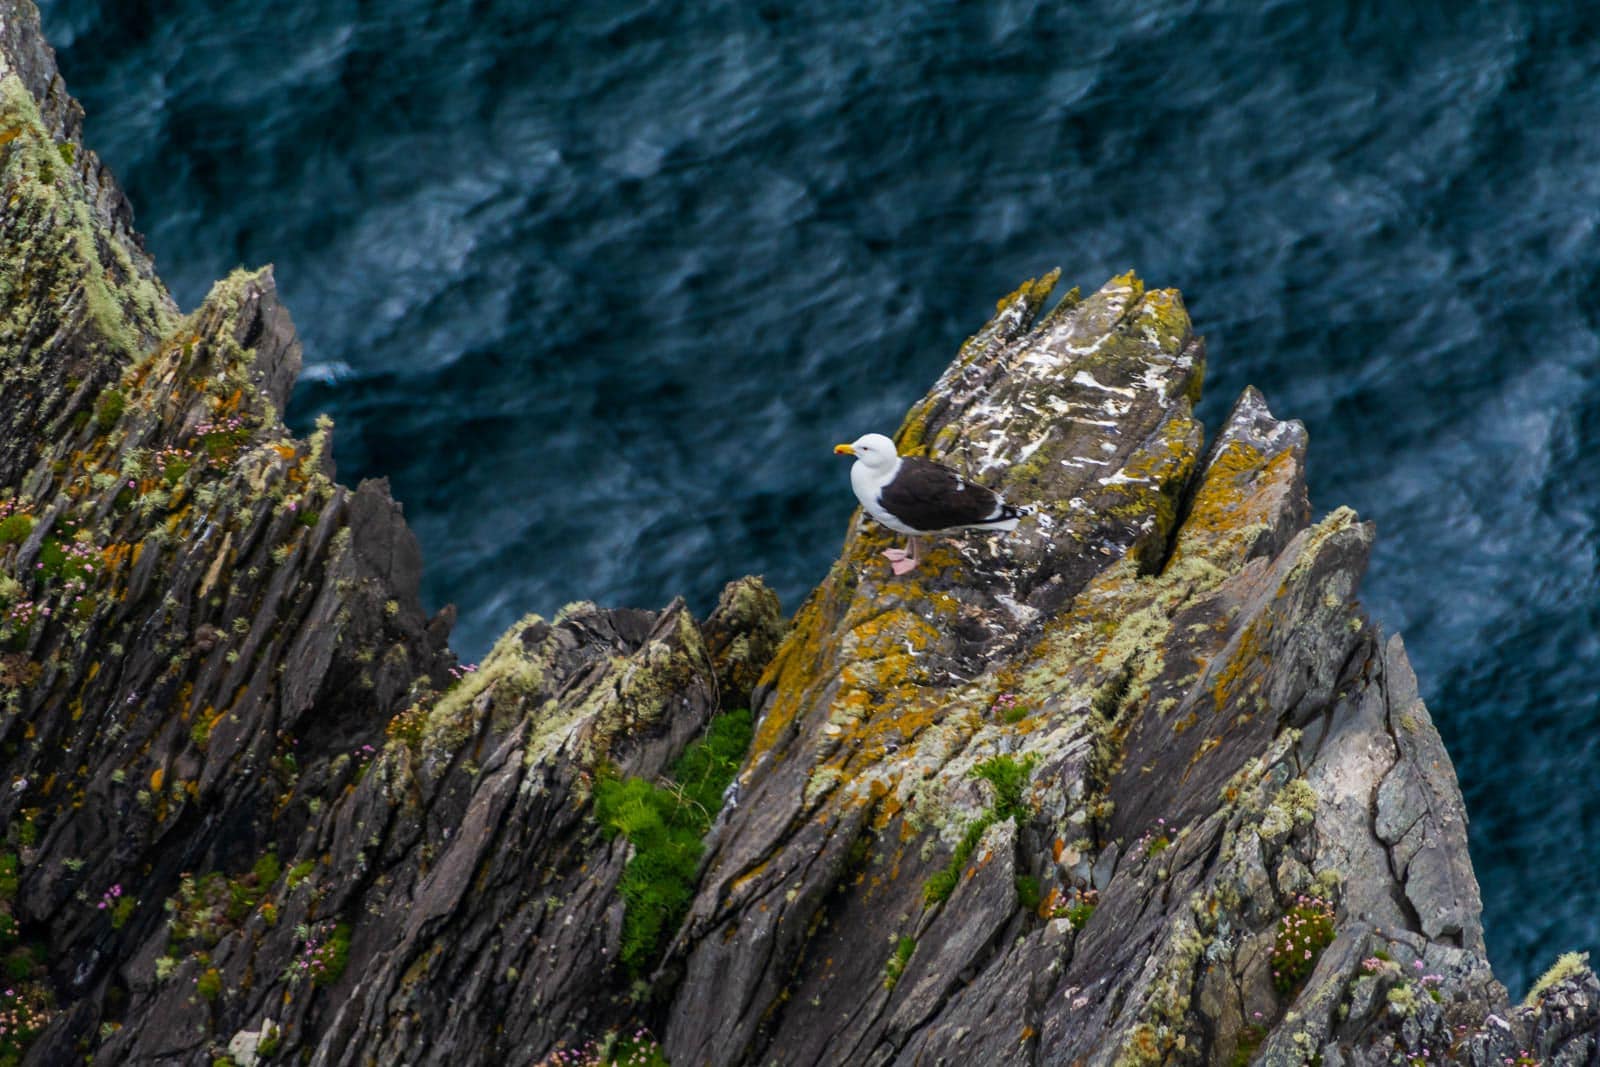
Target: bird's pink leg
[[909, 562], [894, 555]]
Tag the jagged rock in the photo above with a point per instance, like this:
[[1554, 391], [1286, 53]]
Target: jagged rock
[[1137, 783], [223, 700], [741, 636]]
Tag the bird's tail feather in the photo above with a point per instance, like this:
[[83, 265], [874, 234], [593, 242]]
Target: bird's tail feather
[[1005, 516]]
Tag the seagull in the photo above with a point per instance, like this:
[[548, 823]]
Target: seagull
[[916, 496]]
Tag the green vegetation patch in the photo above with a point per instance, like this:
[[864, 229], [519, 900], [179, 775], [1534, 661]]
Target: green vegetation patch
[[26, 999], [1250, 1039], [14, 529], [1078, 912], [616, 1049], [54, 245], [70, 561], [19, 963], [665, 824], [708, 765], [26, 1008], [1008, 777], [299, 873], [108, 409], [222, 438], [331, 957], [1303, 932], [896, 966], [323, 955], [209, 907], [271, 1041], [209, 984]]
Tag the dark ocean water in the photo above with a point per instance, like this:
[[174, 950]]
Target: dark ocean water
[[597, 286]]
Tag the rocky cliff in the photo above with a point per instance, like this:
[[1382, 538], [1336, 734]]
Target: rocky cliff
[[1138, 783]]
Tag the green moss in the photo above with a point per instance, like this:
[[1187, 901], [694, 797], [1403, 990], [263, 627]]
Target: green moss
[[896, 965], [242, 899], [67, 557], [1028, 894], [665, 824], [332, 957], [18, 964], [223, 444], [267, 869], [108, 409], [15, 529], [658, 882], [209, 984], [200, 732], [174, 467], [299, 873], [270, 1043], [49, 221], [1244, 1052], [940, 884]]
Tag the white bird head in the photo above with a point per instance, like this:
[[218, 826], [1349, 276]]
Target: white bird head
[[874, 451]]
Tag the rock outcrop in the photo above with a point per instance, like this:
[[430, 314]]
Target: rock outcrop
[[1137, 783]]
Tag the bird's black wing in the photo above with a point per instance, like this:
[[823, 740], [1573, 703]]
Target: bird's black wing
[[928, 496]]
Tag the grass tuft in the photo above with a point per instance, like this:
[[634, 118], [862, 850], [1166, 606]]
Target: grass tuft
[[896, 966], [1008, 777], [665, 824]]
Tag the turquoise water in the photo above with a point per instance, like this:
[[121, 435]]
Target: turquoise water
[[598, 288]]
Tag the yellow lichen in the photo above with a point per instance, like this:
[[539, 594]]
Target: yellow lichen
[[1568, 965]]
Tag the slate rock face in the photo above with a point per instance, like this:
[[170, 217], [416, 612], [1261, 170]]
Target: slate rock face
[[1137, 783]]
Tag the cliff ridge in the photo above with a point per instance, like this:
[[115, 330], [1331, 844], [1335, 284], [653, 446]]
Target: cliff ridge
[[1138, 783]]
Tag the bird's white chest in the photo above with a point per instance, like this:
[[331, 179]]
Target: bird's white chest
[[868, 485]]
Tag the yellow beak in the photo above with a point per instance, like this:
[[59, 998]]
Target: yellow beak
[[843, 450]]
